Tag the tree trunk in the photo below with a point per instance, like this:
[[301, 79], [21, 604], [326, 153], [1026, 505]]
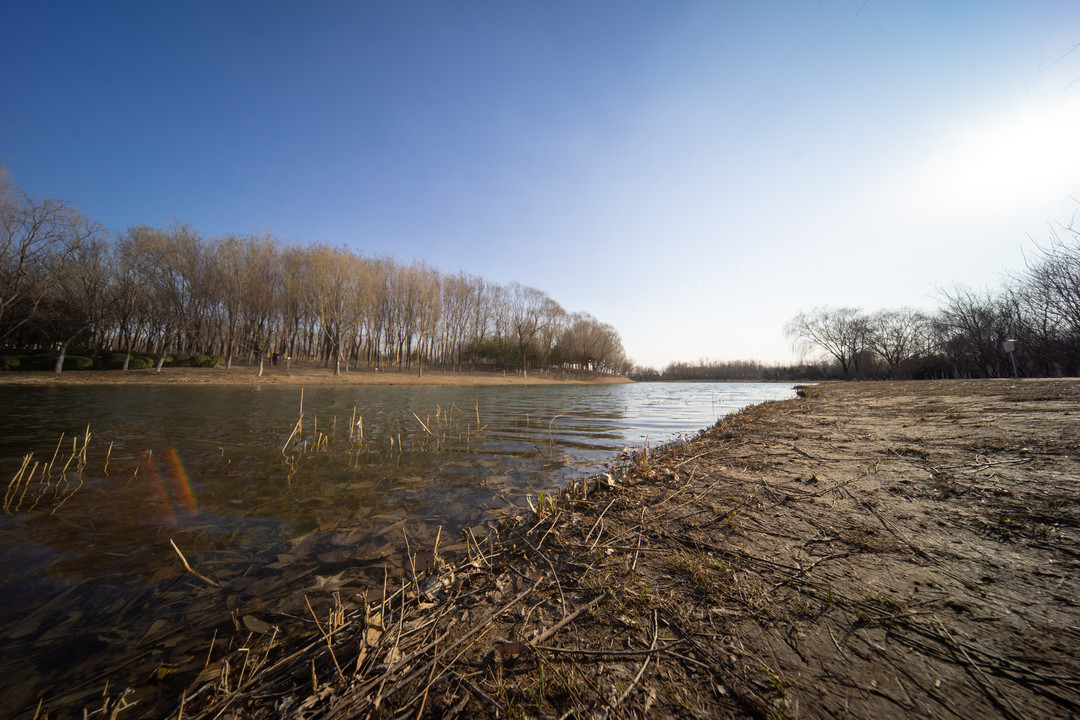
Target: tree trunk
[[60, 359], [337, 355], [161, 359]]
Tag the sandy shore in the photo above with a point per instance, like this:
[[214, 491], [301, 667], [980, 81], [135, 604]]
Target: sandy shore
[[297, 374]]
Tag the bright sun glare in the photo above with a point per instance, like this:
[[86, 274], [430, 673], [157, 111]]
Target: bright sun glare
[[1005, 163]]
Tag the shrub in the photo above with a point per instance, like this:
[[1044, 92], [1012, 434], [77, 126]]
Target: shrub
[[77, 362], [9, 362], [38, 361], [140, 362], [47, 361], [207, 361], [115, 361], [111, 361]]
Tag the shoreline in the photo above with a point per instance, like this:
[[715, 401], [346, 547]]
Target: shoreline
[[867, 550], [297, 375], [905, 549]]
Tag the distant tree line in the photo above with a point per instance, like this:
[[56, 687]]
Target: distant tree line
[[67, 282], [734, 370], [1038, 308]]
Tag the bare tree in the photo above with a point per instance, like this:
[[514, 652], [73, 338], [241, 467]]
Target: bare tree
[[78, 288], [373, 300], [972, 327], [460, 297], [550, 332], [898, 336], [34, 235], [232, 271], [167, 290], [428, 307], [1045, 344], [1050, 295], [529, 310], [330, 290], [265, 282], [178, 288], [291, 301], [839, 332], [135, 256], [582, 342]]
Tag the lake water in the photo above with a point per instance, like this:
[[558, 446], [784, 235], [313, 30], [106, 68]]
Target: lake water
[[91, 588]]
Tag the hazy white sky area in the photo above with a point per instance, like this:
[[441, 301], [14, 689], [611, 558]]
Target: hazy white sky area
[[694, 173]]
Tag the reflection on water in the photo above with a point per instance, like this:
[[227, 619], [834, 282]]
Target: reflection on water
[[91, 588]]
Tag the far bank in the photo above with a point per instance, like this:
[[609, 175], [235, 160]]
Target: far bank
[[300, 375]]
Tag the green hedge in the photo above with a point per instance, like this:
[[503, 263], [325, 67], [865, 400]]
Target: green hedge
[[115, 361], [77, 362], [112, 361], [207, 361], [47, 361], [193, 361], [39, 361]]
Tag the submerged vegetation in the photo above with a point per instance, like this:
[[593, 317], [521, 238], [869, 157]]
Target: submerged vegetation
[[48, 483], [220, 513], [146, 503]]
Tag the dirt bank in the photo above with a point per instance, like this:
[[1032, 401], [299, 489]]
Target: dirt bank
[[869, 550], [297, 374]]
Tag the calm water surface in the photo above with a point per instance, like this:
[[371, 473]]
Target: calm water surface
[[90, 587]]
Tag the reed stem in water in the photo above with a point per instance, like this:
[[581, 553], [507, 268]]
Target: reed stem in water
[[187, 567]]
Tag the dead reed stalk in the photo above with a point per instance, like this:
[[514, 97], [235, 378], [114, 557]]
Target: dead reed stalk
[[188, 567]]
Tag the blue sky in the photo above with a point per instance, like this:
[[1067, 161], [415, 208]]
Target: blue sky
[[694, 173]]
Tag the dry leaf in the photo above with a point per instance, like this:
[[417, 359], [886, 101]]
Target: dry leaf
[[210, 673], [327, 583], [256, 625], [510, 648], [155, 627]]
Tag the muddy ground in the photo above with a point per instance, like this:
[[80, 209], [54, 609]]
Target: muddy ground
[[867, 550]]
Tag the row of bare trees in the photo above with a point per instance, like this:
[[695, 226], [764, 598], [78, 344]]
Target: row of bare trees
[[733, 370], [1038, 308], [66, 281]]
